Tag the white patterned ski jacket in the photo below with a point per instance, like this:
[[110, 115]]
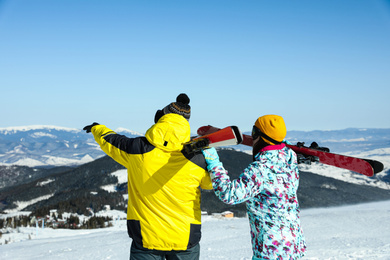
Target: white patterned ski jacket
[[269, 187]]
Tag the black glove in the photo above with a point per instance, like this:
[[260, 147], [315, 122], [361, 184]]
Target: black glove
[[89, 127]]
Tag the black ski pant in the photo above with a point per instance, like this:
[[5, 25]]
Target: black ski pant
[[140, 253]]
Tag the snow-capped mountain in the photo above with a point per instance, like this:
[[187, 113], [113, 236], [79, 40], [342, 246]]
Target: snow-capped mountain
[[35, 146], [104, 182], [50, 146]]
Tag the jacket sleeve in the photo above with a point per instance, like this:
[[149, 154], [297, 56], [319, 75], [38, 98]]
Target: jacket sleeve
[[236, 191], [112, 144]]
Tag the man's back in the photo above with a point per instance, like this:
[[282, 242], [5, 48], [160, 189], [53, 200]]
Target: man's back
[[164, 198]]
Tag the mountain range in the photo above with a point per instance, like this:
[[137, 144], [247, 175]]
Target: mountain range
[[102, 182], [52, 167], [48, 146]]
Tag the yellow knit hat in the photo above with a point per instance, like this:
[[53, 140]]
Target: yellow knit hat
[[272, 126]]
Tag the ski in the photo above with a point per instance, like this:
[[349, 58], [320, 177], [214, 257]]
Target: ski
[[317, 154], [230, 135]]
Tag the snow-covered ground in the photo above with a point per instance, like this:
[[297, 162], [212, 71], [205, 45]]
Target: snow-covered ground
[[349, 232]]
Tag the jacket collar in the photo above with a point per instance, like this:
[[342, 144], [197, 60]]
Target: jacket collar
[[273, 147], [270, 148]]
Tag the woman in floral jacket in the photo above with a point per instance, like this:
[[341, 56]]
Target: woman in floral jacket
[[269, 187]]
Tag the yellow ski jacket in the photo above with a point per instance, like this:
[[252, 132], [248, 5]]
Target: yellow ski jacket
[[163, 183]]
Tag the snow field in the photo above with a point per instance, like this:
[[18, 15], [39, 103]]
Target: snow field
[[338, 233]]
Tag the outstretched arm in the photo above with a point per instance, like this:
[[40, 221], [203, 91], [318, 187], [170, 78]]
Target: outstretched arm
[[113, 144], [231, 191]]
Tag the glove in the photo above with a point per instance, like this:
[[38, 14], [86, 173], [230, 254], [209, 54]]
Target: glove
[[89, 127], [212, 158]]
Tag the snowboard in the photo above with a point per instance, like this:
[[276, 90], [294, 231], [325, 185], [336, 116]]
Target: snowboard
[[230, 135], [317, 154]]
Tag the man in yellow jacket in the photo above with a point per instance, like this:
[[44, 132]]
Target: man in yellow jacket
[[163, 213]]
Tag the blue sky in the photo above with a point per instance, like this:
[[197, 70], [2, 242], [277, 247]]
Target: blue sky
[[322, 65]]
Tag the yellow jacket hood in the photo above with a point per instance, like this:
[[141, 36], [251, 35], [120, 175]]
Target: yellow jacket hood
[[169, 133]]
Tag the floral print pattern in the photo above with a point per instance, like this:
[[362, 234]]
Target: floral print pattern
[[269, 187]]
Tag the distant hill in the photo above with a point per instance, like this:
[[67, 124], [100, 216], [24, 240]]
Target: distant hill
[[75, 189], [71, 190], [49, 146], [44, 167], [342, 141]]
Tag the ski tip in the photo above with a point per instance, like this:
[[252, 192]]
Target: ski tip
[[377, 166], [238, 134]]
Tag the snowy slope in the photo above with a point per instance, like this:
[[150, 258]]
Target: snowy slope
[[351, 232]]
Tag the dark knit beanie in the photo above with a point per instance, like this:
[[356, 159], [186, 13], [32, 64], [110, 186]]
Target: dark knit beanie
[[180, 107]]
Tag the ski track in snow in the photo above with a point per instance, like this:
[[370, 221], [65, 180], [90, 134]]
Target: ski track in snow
[[338, 233]]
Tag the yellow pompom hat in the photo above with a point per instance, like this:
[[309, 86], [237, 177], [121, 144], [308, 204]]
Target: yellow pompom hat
[[273, 127]]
